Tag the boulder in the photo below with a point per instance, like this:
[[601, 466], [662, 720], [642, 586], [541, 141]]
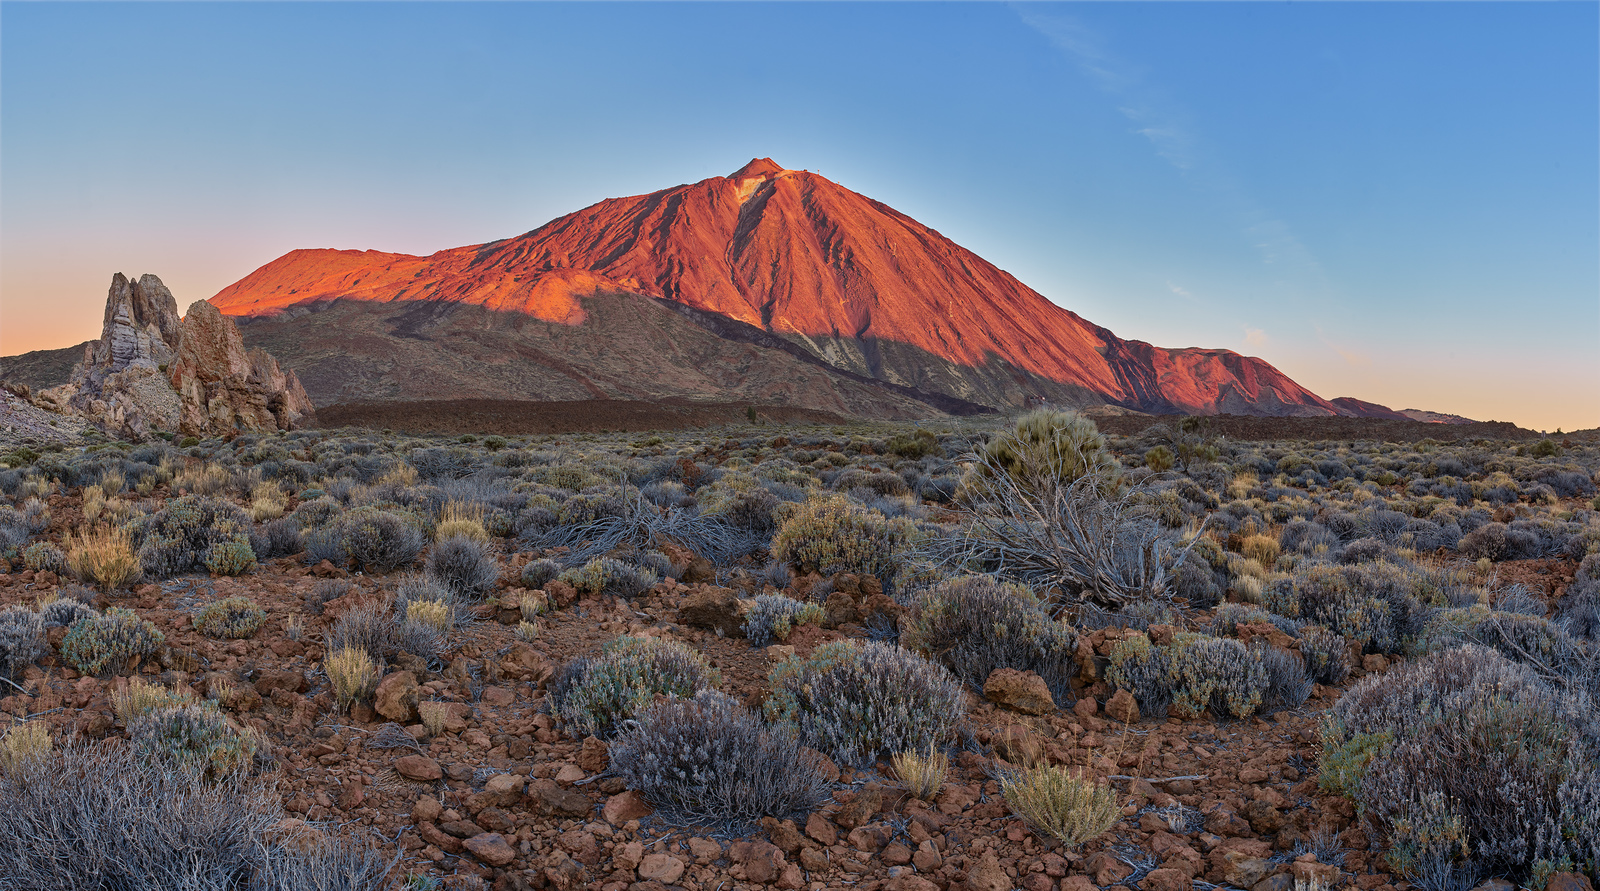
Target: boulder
[[714, 608], [1022, 691]]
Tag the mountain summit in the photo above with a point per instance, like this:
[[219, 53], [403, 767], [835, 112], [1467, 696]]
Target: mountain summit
[[777, 260]]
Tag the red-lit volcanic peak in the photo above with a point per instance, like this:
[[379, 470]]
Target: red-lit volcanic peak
[[848, 279]]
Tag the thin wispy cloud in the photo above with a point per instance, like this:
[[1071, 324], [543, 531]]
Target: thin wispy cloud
[[1255, 337], [1174, 136], [1180, 291]]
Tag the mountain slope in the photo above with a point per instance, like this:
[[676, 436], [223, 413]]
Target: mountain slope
[[848, 280]]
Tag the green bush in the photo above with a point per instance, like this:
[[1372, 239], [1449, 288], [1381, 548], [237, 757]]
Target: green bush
[[106, 642], [231, 556], [1470, 765], [855, 701], [592, 697], [831, 533], [976, 625], [915, 445], [42, 556], [182, 536], [1049, 448], [234, 617], [194, 737]]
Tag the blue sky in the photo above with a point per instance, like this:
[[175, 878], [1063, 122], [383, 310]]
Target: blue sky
[[1394, 201]]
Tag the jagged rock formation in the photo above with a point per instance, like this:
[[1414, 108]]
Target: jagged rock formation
[[222, 387], [121, 382], [151, 371]]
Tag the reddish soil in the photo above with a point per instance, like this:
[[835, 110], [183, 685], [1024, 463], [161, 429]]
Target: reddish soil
[[1201, 797]]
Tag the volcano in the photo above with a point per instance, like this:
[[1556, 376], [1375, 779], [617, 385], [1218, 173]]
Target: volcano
[[724, 289]]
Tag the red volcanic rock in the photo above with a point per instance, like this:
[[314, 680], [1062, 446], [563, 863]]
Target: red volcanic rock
[[850, 280]]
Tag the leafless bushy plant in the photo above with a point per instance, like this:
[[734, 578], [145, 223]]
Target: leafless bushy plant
[[1097, 545]]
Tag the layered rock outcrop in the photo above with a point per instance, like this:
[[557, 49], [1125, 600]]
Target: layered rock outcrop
[[152, 371]]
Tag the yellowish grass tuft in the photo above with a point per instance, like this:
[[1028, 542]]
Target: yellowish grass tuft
[[402, 474], [105, 557], [141, 698], [1061, 804], [433, 716], [1261, 548], [534, 604], [112, 482], [353, 675], [527, 630], [432, 613], [461, 519], [922, 775], [23, 743], [266, 502]]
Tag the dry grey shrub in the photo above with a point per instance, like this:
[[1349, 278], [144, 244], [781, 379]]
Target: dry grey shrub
[[102, 818], [463, 565], [21, 640], [712, 760], [1097, 544]]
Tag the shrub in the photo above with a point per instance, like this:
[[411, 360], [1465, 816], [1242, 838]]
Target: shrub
[[830, 534], [711, 759], [1061, 804], [773, 617], [63, 612], [1045, 449], [194, 737], [233, 617], [279, 538], [464, 566], [325, 590], [592, 697], [231, 556], [22, 640], [1100, 543], [380, 540], [1326, 654], [42, 556], [922, 774], [976, 625], [1143, 669], [607, 575], [1215, 673], [179, 538], [1159, 459], [1288, 681], [539, 572], [106, 642], [1473, 766], [140, 698], [1374, 605], [89, 817], [378, 631], [352, 674], [25, 743], [853, 701]]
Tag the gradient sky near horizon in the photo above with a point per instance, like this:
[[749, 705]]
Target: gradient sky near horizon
[[1394, 201]]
